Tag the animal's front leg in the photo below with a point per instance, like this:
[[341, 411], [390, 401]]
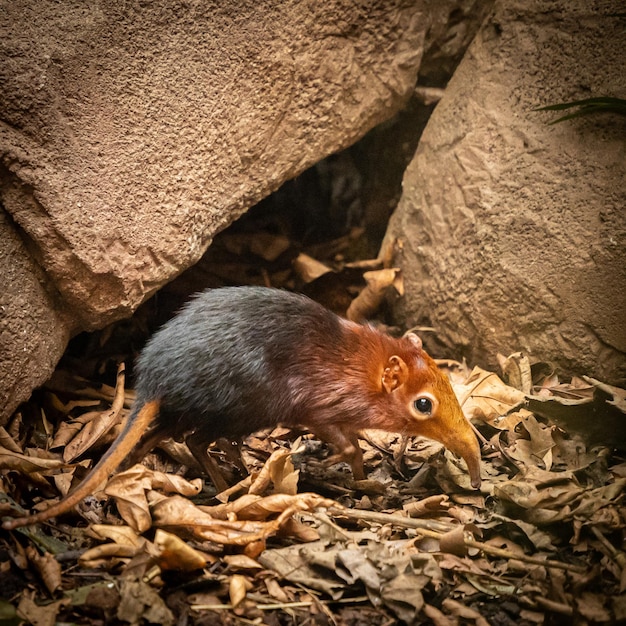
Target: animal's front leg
[[346, 444]]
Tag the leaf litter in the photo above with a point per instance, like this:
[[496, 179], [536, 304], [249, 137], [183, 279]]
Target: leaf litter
[[293, 541]]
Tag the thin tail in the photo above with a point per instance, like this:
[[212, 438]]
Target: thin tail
[[135, 427]]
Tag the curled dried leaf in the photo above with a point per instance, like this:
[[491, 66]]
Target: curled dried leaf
[[102, 423], [371, 297], [25, 464], [237, 588], [174, 554], [129, 490], [122, 535], [47, 567], [276, 466], [103, 555], [308, 268]]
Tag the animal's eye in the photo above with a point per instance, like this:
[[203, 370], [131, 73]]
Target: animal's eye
[[423, 405]]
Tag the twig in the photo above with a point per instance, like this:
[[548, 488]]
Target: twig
[[613, 553], [434, 529], [392, 518], [506, 554], [555, 607]]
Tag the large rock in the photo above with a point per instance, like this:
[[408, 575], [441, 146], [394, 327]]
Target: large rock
[[513, 231], [131, 133]]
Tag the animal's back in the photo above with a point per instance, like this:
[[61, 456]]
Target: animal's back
[[223, 362]]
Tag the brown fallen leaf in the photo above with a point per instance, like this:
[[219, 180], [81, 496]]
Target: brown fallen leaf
[[141, 603], [516, 371], [460, 610], [538, 448], [35, 614], [485, 397], [237, 589], [282, 472], [26, 464], [174, 554], [178, 512], [129, 490], [122, 535], [453, 542], [241, 563], [48, 568], [100, 425], [265, 245], [436, 617], [599, 417], [367, 303], [427, 506], [108, 555], [308, 268], [252, 507], [7, 442], [279, 467]]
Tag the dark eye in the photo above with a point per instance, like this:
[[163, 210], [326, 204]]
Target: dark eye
[[423, 405]]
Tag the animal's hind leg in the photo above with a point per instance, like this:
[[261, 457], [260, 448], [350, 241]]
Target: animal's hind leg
[[198, 446], [146, 444]]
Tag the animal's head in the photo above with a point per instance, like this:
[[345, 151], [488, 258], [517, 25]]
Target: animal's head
[[423, 394]]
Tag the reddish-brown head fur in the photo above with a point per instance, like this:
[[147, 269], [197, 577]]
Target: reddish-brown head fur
[[376, 381], [420, 392]]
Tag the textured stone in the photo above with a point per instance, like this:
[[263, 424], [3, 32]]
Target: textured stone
[[132, 132], [513, 231]]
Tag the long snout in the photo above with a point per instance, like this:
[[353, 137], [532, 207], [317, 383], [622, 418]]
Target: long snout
[[468, 448], [459, 437]]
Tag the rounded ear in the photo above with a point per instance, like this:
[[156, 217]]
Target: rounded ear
[[414, 339], [395, 373]]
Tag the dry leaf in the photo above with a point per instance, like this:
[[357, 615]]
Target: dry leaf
[[255, 508], [241, 562], [453, 542], [599, 419], [308, 268], [486, 398], [276, 591], [594, 607], [538, 448], [516, 371], [47, 567], [39, 615], [427, 506], [298, 531], [122, 535], [436, 617], [237, 589], [365, 305], [177, 511], [108, 554], [129, 490], [284, 476], [25, 464], [275, 464], [465, 612], [96, 428], [141, 603], [174, 554], [267, 246], [7, 442]]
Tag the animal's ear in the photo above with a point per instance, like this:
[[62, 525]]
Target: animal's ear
[[395, 374], [414, 339]]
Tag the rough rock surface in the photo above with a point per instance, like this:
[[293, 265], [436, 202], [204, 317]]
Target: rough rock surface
[[513, 231], [32, 331], [130, 133]]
